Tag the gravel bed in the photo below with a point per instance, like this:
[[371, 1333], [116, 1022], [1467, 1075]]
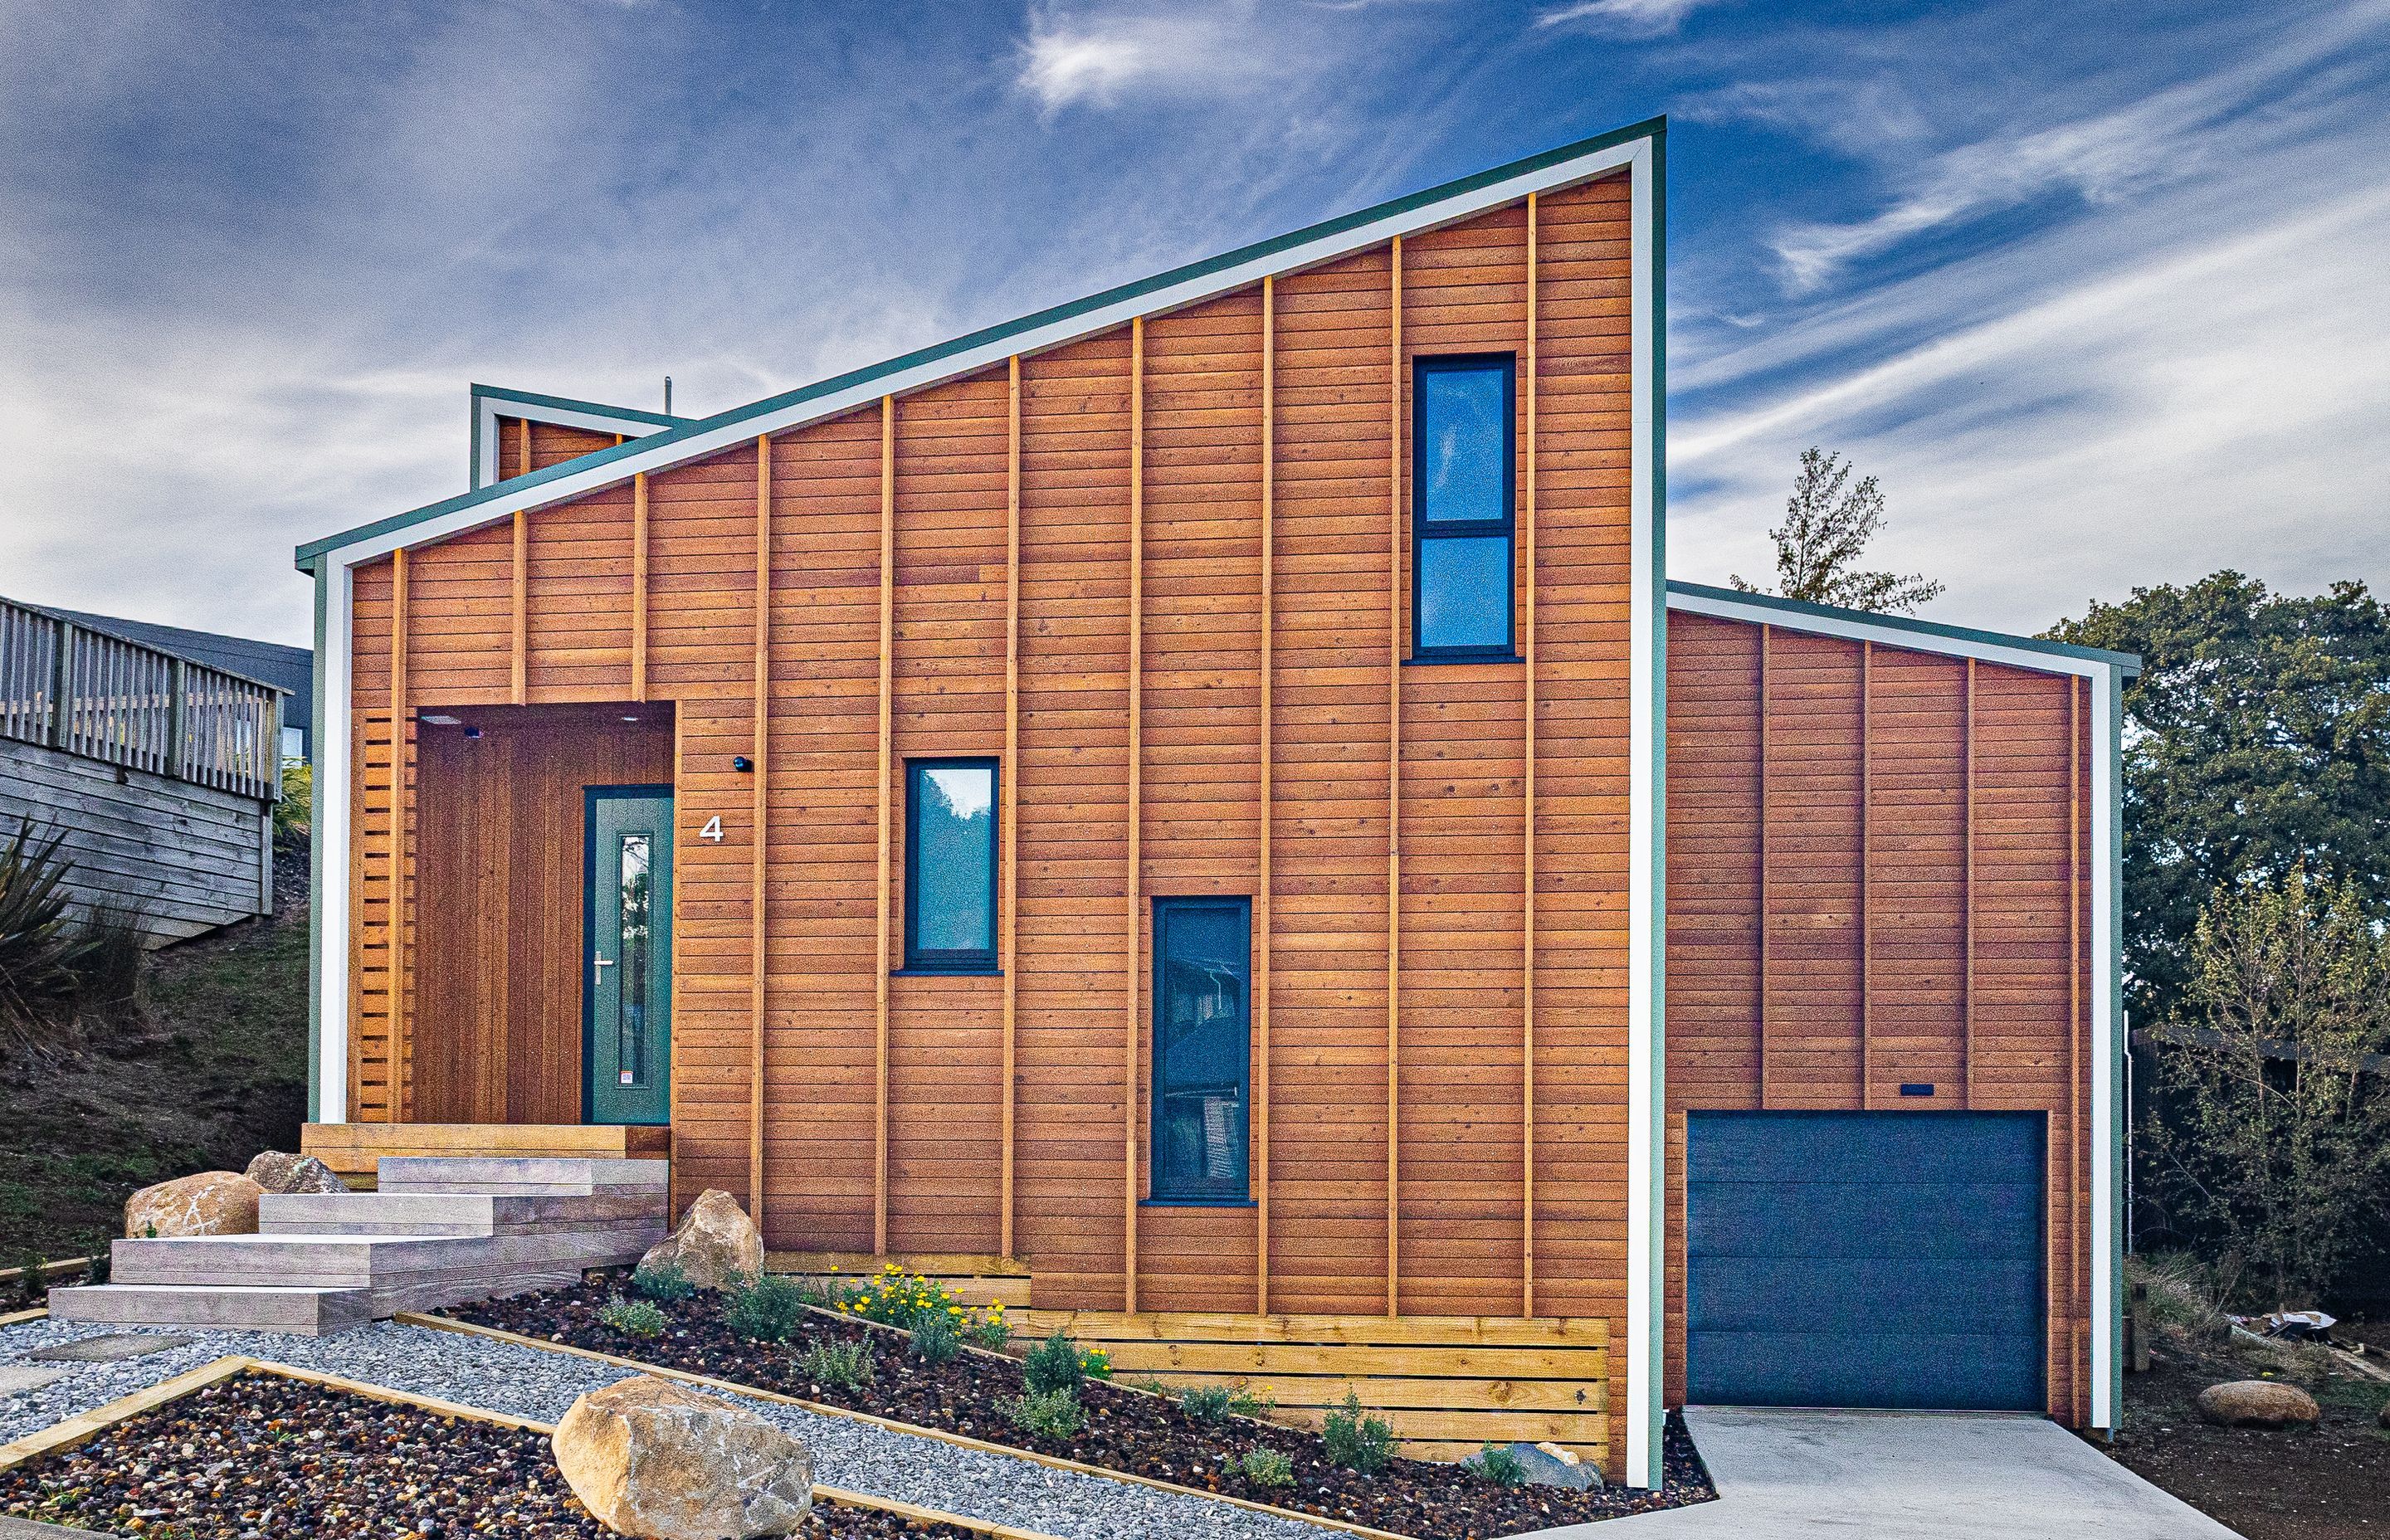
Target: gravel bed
[[525, 1383]]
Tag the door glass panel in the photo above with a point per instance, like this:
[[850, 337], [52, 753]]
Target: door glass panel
[[954, 859], [636, 957], [1201, 1051]]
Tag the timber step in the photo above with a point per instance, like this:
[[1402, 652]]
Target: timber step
[[438, 1231]]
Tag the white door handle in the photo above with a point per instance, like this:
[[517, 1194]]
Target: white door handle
[[605, 962]]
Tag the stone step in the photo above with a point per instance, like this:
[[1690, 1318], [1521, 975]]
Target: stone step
[[372, 1261], [455, 1213], [551, 1175], [238, 1307]]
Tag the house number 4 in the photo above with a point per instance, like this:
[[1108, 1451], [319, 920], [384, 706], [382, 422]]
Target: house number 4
[[712, 829]]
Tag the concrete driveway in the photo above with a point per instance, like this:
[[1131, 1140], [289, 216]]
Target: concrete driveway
[[1945, 1476]]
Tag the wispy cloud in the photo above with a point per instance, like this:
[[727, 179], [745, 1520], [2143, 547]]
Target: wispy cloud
[[1627, 17], [1098, 57]]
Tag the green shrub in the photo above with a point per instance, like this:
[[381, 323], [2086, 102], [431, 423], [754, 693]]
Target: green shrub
[[1096, 1363], [1267, 1467], [1053, 1365], [1055, 1414], [295, 812], [987, 1329], [936, 1339], [1244, 1403], [765, 1309], [1205, 1402], [1356, 1441], [1498, 1465], [839, 1364], [42, 950], [664, 1281], [633, 1317]]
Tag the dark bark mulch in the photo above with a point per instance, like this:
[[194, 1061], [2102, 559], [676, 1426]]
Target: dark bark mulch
[[262, 1456], [2331, 1483], [1146, 1435]]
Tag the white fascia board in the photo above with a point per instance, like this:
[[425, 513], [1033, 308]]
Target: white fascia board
[[2106, 1068], [333, 742], [736, 429], [490, 405]]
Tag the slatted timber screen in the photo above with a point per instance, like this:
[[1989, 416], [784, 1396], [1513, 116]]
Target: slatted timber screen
[[1878, 878], [88, 693], [1446, 1383]]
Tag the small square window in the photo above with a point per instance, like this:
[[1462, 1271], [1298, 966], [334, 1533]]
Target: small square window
[[950, 853], [1463, 448]]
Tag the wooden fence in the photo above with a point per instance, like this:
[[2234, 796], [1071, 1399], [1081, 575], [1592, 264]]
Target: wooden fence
[[85, 692]]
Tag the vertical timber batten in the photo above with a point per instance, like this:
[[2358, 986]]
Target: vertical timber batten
[[1136, 808], [640, 587], [1394, 778], [887, 739], [1264, 877], [759, 858], [518, 663], [1009, 779], [1767, 634], [1527, 815], [392, 1107]]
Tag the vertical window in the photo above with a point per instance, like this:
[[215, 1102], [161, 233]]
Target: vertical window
[[1463, 445], [1202, 1049], [950, 864]]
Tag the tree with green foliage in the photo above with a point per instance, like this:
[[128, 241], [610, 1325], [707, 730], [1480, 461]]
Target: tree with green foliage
[[1828, 524], [2273, 1079], [2256, 741]]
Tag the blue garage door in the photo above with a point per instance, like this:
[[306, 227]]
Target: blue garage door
[[1864, 1259]]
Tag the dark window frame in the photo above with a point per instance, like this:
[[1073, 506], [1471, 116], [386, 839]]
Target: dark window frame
[[951, 959], [1422, 365], [1156, 1194]]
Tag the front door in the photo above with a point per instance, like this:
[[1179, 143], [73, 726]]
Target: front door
[[626, 960]]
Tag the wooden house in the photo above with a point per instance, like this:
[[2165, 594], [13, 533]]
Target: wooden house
[[1199, 807]]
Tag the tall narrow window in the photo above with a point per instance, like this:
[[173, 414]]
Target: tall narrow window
[[1463, 449], [1202, 1049], [950, 864]]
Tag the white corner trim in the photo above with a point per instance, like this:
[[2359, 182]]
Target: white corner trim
[[333, 753], [738, 427], [490, 405], [1646, 1094]]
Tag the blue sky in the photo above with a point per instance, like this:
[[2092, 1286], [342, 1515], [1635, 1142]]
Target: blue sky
[[2099, 291]]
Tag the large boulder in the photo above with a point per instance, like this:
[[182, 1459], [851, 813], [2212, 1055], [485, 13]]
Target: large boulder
[[714, 1240], [213, 1202], [278, 1171], [2258, 1403], [658, 1461]]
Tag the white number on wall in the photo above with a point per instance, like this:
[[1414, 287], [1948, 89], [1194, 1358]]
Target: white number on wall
[[712, 829]]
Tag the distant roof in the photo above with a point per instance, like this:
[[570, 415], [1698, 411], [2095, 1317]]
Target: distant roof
[[292, 668], [1897, 630]]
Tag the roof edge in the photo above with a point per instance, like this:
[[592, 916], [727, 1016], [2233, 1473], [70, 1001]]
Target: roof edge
[[659, 443], [1921, 632], [571, 404]]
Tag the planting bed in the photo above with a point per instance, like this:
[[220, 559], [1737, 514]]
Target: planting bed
[[1126, 1430], [262, 1454]]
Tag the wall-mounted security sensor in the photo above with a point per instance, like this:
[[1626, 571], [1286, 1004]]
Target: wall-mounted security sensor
[[741, 763], [473, 732]]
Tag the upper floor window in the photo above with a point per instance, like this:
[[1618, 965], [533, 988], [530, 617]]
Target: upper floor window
[[1463, 443], [950, 864]]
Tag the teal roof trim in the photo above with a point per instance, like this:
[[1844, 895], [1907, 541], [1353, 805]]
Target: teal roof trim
[[1652, 128], [568, 404], [2129, 662]]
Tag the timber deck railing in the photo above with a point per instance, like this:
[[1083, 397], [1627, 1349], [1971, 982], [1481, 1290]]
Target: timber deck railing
[[86, 692]]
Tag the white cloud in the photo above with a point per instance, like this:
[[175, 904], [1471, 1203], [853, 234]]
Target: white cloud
[[1098, 58], [1630, 17]]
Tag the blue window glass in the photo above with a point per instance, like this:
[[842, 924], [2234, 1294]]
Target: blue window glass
[[950, 864], [1202, 1049], [1463, 448]]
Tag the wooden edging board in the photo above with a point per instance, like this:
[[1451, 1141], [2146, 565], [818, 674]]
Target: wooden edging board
[[15, 1317], [78, 1430], [731, 1387]]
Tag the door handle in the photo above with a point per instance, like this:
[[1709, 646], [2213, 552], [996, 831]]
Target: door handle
[[603, 962]]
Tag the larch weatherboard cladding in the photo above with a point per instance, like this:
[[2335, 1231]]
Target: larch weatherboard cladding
[[1805, 771], [1190, 421], [525, 447]]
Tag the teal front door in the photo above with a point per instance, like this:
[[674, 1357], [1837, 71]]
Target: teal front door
[[626, 961]]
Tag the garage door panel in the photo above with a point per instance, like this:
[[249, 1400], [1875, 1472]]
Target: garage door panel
[[1946, 1370], [1870, 1219], [1849, 1296], [1865, 1259]]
